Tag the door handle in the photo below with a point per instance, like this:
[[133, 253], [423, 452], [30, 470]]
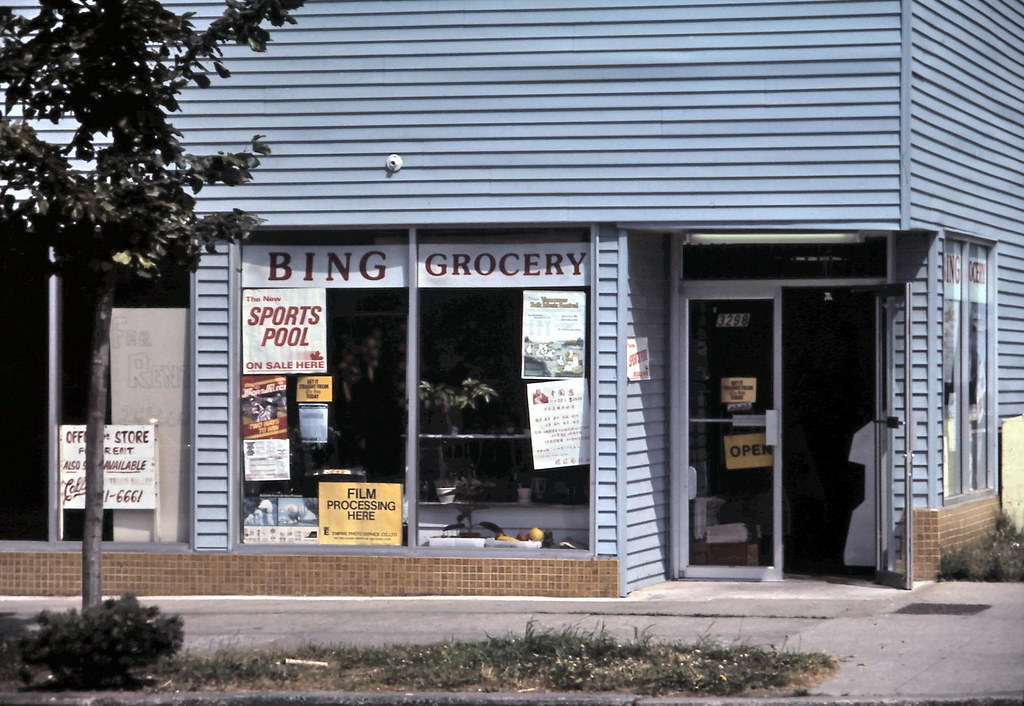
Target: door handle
[[890, 422], [771, 427]]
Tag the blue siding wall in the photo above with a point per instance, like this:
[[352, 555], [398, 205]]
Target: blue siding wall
[[609, 498], [911, 262], [967, 149], [647, 415], [215, 428], [598, 111]]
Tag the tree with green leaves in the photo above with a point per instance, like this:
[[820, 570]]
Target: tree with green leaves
[[109, 190]]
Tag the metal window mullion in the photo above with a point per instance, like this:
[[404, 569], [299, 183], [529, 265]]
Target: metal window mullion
[[412, 376]]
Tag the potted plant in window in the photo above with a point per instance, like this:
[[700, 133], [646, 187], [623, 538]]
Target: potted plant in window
[[443, 403]]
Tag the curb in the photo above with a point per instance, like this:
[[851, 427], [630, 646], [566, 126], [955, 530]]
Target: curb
[[327, 698]]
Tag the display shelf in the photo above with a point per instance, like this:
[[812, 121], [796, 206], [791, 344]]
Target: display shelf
[[562, 521]]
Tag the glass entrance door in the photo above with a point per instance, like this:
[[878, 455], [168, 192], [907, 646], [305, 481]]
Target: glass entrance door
[[895, 437], [732, 431]]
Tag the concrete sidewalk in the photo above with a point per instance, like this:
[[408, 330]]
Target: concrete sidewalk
[[949, 643]]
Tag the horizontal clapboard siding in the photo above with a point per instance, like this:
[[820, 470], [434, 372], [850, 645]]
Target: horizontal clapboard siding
[[706, 113], [214, 433], [910, 259], [967, 139], [609, 479], [646, 455]]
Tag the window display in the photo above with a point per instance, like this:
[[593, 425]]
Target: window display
[[965, 362], [327, 344], [303, 430]]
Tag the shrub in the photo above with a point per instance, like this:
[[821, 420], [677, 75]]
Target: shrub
[[101, 645], [999, 557]]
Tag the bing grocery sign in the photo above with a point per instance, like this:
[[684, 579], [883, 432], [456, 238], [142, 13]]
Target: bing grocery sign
[[438, 265]]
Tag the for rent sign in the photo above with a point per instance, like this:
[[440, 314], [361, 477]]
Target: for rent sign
[[129, 466]]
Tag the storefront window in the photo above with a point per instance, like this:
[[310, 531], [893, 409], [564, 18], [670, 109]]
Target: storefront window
[[146, 490], [323, 397], [965, 359], [500, 351], [504, 423]]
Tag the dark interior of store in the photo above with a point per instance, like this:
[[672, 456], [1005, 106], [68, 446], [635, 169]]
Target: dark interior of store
[[828, 352]]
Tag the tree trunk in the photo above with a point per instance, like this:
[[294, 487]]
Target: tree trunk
[[92, 533]]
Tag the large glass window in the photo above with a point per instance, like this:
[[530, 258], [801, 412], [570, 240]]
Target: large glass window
[[323, 399], [330, 334], [967, 463], [504, 425], [146, 489]]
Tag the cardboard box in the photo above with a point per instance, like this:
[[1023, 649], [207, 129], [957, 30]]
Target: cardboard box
[[724, 554]]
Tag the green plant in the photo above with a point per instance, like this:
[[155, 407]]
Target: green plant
[[102, 644], [445, 397], [998, 557]]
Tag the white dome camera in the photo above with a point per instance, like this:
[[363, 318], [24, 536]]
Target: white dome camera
[[393, 163]]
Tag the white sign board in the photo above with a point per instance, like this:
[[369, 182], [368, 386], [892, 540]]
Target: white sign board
[[129, 466], [267, 459], [284, 331], [504, 265], [559, 428], [368, 266], [363, 266]]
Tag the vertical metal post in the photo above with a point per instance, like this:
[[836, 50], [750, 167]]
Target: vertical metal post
[[55, 519], [909, 434], [412, 377]]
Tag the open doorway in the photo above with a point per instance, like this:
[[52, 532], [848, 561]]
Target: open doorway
[[829, 386]]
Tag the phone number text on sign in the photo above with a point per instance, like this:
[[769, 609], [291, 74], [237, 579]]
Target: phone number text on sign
[[129, 466]]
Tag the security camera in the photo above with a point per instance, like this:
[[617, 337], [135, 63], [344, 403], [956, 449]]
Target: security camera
[[393, 163]]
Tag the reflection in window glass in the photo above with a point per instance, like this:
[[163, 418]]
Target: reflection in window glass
[[951, 336], [965, 360], [977, 341]]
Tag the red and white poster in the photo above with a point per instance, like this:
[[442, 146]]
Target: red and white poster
[[559, 428], [638, 359], [284, 331]]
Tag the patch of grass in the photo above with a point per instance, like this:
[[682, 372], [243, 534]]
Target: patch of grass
[[539, 660], [998, 557]]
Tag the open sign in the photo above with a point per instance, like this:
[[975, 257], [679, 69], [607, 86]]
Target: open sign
[[747, 451]]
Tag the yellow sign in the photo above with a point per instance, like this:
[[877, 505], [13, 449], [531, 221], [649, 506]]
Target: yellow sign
[[314, 388], [735, 390], [747, 451], [360, 513]]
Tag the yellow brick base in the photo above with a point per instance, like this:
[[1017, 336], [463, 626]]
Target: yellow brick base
[[166, 574], [949, 528]]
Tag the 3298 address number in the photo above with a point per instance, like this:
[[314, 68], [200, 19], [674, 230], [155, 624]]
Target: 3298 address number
[[737, 320]]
